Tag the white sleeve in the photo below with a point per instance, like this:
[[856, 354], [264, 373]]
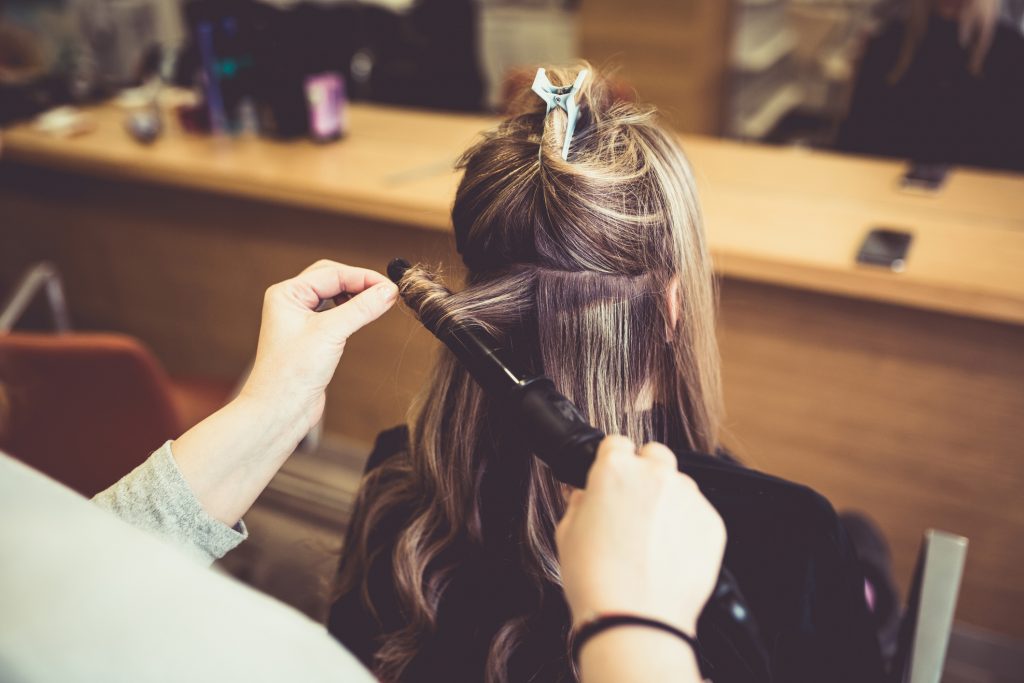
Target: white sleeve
[[86, 597]]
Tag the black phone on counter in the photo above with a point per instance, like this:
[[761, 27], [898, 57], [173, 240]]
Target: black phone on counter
[[885, 247], [927, 177]]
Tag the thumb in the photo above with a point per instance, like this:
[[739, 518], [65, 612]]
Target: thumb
[[361, 310]]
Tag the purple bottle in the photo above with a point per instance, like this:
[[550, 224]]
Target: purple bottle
[[328, 114]]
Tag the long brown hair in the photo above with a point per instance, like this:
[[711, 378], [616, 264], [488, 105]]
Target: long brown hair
[[595, 271]]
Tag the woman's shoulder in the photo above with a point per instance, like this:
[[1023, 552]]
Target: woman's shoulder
[[741, 492], [388, 444]]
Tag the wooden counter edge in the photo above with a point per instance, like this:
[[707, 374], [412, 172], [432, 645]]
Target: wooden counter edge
[[425, 216], [868, 284], [857, 283]]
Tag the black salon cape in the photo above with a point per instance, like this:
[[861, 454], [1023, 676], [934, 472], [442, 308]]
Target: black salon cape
[[786, 550]]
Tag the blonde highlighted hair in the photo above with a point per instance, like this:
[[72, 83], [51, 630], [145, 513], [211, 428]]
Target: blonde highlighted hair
[[594, 271]]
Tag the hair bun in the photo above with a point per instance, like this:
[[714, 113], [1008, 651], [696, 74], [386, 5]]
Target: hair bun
[[604, 209], [597, 92]]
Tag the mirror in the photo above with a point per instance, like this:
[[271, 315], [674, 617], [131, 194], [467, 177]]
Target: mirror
[[931, 81]]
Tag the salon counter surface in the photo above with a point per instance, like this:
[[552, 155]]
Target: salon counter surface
[[780, 216]]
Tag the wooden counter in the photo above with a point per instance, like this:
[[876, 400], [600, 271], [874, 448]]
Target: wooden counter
[[899, 394], [781, 216]]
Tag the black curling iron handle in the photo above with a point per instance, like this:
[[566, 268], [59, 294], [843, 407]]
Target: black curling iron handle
[[556, 430]]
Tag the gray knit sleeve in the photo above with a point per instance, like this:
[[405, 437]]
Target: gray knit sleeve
[[155, 497]]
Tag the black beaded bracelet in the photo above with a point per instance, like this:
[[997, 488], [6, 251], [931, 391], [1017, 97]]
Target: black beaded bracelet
[[591, 628]]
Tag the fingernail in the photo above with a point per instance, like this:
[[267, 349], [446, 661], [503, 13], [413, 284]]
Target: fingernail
[[387, 291]]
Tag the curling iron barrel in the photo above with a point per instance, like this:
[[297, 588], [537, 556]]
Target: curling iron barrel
[[558, 433]]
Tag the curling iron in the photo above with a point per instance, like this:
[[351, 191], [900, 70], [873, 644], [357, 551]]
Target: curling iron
[[561, 437]]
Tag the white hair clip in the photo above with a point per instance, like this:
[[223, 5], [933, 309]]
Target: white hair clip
[[564, 97]]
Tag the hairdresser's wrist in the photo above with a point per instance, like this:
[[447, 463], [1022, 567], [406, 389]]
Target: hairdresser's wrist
[[287, 391], [683, 619], [276, 423], [636, 600], [635, 653], [231, 456], [286, 410]]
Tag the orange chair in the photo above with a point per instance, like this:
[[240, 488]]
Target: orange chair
[[86, 408]]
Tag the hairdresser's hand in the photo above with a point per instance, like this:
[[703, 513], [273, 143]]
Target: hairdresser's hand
[[299, 348], [641, 539], [231, 456]]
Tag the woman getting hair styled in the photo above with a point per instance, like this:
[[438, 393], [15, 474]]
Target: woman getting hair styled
[[593, 270]]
